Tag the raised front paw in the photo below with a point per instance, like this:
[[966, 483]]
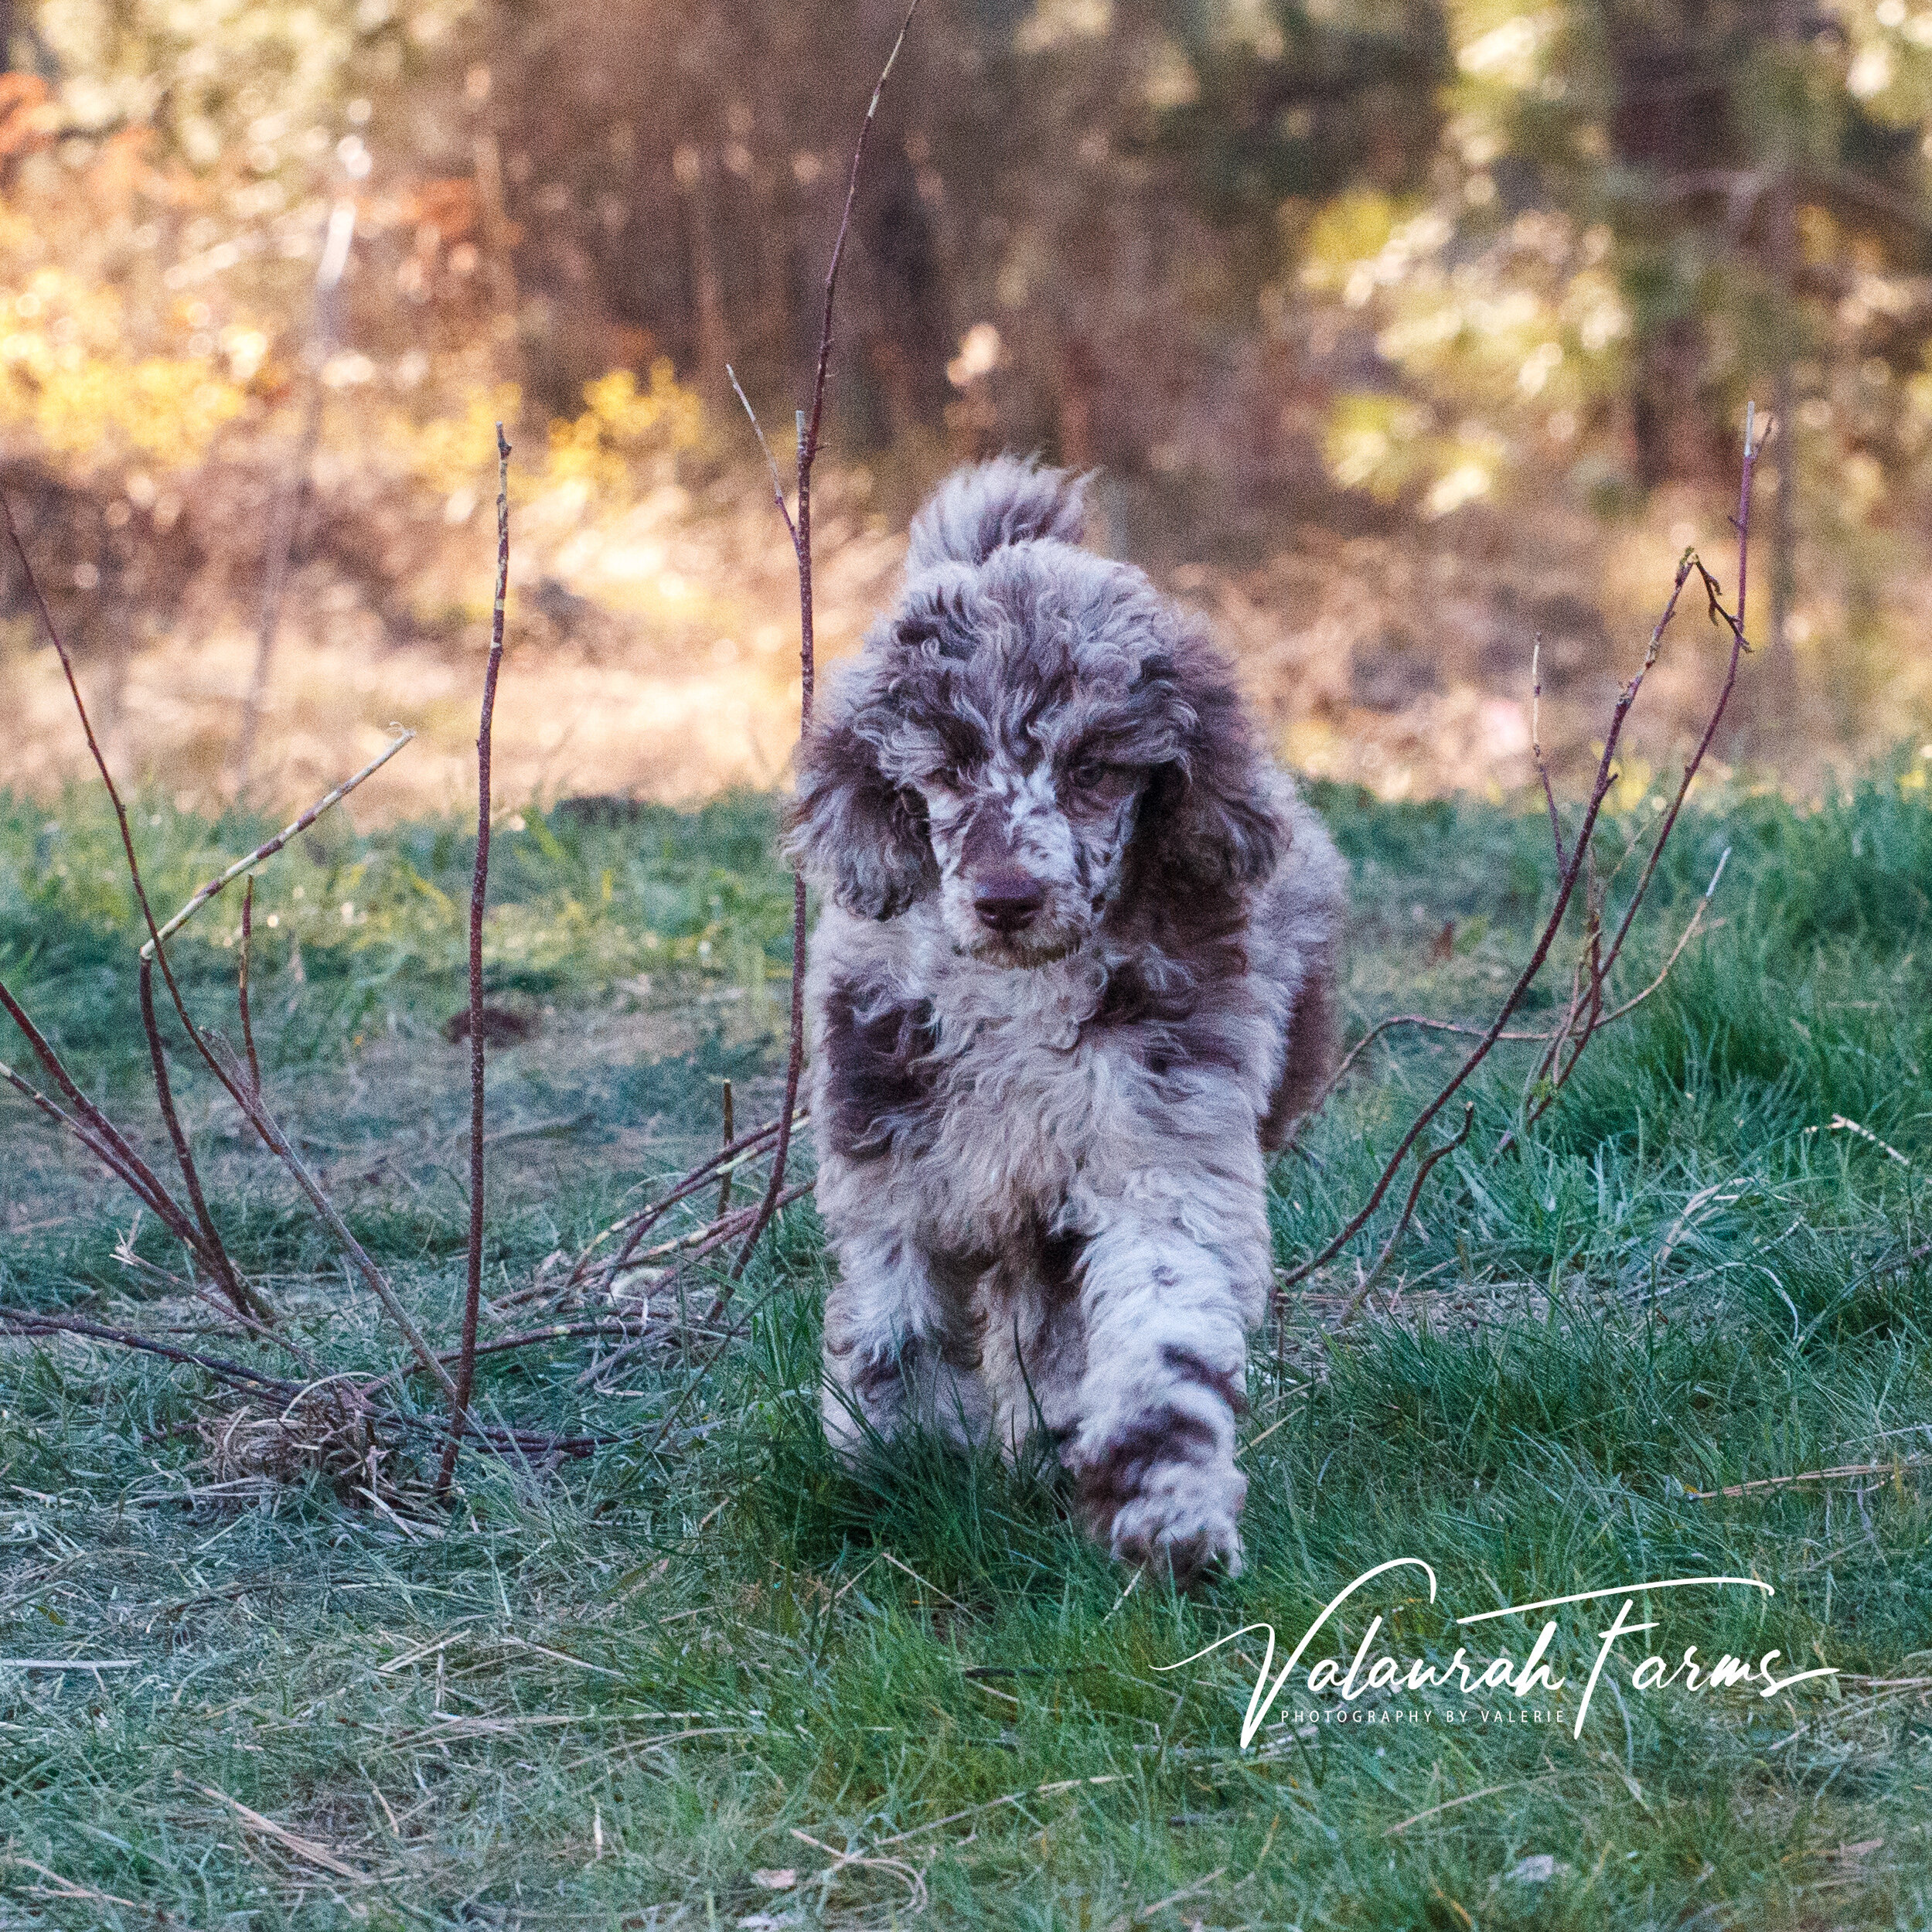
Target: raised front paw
[[1164, 1494]]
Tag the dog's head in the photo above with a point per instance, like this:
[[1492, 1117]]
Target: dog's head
[[1034, 735]]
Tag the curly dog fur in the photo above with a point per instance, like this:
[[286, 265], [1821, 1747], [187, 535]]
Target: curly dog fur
[[1075, 974]]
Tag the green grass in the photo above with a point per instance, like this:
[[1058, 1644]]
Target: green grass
[[613, 1692]]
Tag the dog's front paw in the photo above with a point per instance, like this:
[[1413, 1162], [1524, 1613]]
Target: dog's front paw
[[1172, 1513]]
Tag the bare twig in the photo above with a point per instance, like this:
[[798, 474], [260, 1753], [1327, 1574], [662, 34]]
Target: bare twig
[[100, 1136], [531, 1338], [704, 1238], [704, 1241], [478, 890], [645, 1218], [1843, 1472], [1559, 1068], [640, 1222], [213, 1254], [29, 1321], [218, 1057], [1536, 749], [1566, 886], [771, 462], [1683, 939], [528, 1441], [306, 1849], [1381, 1026], [800, 528], [241, 984], [1423, 1169], [254, 1107], [1458, 1027], [723, 1342], [92, 1128], [96, 1132], [270, 847], [724, 1186]]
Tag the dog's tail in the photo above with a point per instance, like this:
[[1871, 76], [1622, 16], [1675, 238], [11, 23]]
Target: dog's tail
[[980, 509]]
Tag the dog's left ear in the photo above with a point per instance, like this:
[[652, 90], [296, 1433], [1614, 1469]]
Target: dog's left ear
[[1209, 815]]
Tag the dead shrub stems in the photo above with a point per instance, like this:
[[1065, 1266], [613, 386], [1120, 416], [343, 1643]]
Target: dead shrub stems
[[1585, 1014]]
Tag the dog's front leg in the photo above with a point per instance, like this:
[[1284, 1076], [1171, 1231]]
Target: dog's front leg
[[1152, 1448], [899, 1347]]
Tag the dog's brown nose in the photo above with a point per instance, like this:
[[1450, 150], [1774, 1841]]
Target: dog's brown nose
[[1007, 899]]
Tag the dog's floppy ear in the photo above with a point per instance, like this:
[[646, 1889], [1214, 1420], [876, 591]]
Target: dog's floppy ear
[[849, 825], [1209, 815]]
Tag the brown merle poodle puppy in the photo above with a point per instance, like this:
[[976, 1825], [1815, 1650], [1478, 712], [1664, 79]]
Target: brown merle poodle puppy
[[1075, 975]]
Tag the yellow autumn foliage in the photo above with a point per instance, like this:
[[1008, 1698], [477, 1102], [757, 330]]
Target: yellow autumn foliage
[[623, 426]]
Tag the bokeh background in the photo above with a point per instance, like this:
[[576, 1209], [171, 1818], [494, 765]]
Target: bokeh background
[[1402, 333]]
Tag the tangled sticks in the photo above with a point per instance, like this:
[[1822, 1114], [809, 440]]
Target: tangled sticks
[[240, 1076], [351, 1401], [1585, 1014]]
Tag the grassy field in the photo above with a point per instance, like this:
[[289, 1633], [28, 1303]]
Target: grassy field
[[703, 1678]]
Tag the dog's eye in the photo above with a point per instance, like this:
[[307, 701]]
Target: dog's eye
[[1089, 774]]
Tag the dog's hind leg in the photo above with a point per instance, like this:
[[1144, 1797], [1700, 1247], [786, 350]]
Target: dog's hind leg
[[900, 1352]]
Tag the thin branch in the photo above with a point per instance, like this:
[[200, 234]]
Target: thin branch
[[256, 1113], [1839, 1474], [137, 1179], [1536, 749], [705, 1237], [1584, 1015], [33, 1322], [529, 1338], [1395, 1020], [640, 1222], [1563, 1069], [102, 1138], [1683, 939], [771, 462], [270, 847], [479, 891], [724, 1185], [28, 1321], [1423, 1169], [713, 1237], [1737, 648], [800, 527], [232, 1076], [215, 1255], [87, 724], [241, 984]]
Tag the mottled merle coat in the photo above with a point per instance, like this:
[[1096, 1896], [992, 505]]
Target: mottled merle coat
[[1075, 973]]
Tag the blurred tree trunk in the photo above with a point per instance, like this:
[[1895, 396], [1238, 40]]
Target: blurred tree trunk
[[713, 340], [1671, 118], [1779, 674]]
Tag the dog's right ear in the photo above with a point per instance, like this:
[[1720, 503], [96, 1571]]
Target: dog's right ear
[[850, 826]]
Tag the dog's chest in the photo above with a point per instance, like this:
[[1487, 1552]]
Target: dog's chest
[[1028, 1096]]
